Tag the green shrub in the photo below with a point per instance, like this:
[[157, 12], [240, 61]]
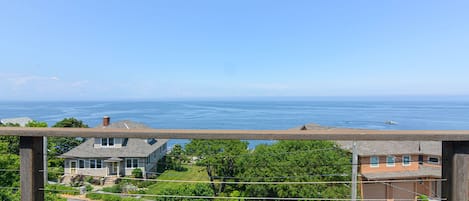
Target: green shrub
[[62, 189], [422, 198], [93, 196], [113, 189], [89, 187], [137, 173]]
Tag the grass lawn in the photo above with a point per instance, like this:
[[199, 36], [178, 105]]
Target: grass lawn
[[193, 173]]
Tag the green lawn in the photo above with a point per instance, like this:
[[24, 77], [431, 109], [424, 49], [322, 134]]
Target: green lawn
[[193, 173]]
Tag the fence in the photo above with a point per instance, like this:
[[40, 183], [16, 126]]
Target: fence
[[455, 148]]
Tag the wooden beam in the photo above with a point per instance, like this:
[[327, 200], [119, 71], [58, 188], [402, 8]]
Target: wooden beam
[[31, 169], [326, 134], [455, 161]]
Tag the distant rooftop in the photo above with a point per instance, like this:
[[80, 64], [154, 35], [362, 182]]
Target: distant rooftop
[[370, 148], [22, 121]]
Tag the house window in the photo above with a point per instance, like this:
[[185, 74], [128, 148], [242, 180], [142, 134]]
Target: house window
[[420, 159], [132, 163], [94, 163], [81, 163], [374, 161], [390, 161], [405, 160], [107, 142], [433, 160]]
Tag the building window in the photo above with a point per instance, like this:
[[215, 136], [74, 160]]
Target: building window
[[132, 163], [390, 161], [433, 160], [405, 160], [374, 161], [107, 142], [95, 163], [81, 163], [420, 159], [92, 163]]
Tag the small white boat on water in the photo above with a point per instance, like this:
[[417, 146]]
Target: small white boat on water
[[391, 122]]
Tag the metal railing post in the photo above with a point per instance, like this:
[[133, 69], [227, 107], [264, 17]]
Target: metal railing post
[[31, 168]]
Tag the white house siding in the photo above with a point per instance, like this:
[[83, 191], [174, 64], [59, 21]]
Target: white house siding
[[141, 165], [85, 171]]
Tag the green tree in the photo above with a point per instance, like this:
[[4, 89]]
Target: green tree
[[35, 123], [60, 145], [70, 123], [11, 141], [175, 159], [296, 161], [219, 157], [9, 176]]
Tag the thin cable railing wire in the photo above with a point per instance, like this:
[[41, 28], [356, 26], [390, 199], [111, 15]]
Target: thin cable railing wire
[[408, 191], [222, 197]]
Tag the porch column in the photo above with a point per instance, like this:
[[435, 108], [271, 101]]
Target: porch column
[[118, 169]]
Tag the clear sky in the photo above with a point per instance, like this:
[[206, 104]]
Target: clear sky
[[113, 50]]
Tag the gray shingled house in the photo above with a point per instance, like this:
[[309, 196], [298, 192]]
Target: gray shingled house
[[108, 157]]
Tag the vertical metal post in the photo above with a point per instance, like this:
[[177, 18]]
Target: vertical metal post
[[455, 164], [45, 159], [31, 168], [354, 170]]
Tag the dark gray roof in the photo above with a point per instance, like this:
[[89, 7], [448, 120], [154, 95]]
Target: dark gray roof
[[369, 148], [22, 121], [134, 147], [423, 172]]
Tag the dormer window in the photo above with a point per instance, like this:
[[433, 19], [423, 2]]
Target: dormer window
[[107, 142]]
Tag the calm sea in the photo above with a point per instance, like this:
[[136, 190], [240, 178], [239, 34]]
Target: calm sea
[[253, 114]]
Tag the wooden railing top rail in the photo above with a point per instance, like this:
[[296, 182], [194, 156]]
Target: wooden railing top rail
[[326, 134]]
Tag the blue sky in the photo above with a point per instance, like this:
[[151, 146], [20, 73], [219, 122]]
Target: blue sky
[[114, 50]]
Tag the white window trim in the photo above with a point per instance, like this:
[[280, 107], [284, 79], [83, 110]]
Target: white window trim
[[391, 164], [430, 162], [374, 165], [403, 161], [101, 142], [132, 163]]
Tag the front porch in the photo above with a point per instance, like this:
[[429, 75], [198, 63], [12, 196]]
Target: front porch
[[114, 167]]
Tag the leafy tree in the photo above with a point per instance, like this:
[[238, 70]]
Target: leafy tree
[[35, 123], [175, 159], [70, 123], [10, 176], [60, 145], [219, 158], [299, 161], [12, 142]]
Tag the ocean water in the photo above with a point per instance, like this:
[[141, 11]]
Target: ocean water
[[410, 115]]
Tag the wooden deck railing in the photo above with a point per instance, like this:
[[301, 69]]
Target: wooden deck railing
[[455, 148]]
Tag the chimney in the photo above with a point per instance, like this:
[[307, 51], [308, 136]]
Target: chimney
[[106, 120]]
